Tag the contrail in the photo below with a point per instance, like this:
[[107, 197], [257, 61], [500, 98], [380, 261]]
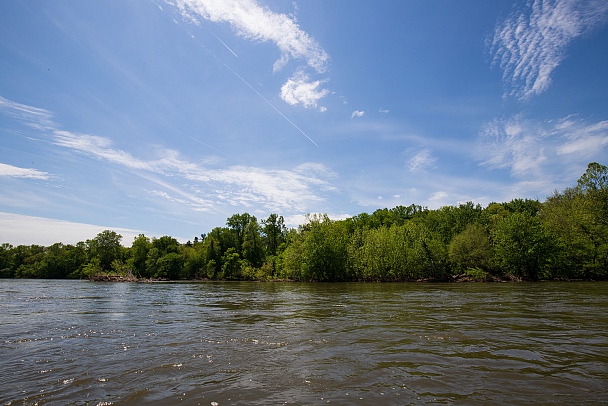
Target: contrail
[[247, 83], [223, 43], [271, 105]]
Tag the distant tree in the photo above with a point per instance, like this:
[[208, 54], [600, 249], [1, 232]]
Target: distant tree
[[138, 255], [274, 230], [238, 223], [27, 261], [194, 262], [324, 251], [579, 218], [528, 206], [6, 253], [291, 257], [253, 250], [106, 246], [449, 221], [231, 266], [524, 246], [471, 248], [166, 244], [169, 266], [152, 265], [595, 179]]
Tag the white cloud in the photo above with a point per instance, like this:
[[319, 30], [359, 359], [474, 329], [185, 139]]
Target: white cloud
[[99, 147], [299, 89], [546, 151], [515, 144], [420, 159], [252, 21], [583, 139], [27, 173], [532, 42], [384, 111], [357, 113], [34, 117], [18, 229], [438, 196], [277, 189], [314, 168]]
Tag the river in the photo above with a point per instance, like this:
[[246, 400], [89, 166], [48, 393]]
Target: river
[[239, 343]]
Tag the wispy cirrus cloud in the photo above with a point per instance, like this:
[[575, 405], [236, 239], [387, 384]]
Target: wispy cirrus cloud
[[419, 159], [529, 148], [199, 186], [531, 43], [99, 147], [276, 189], [34, 117], [299, 89], [252, 21], [515, 144], [25, 173]]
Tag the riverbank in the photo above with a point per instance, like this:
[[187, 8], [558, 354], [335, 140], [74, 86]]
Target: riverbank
[[462, 278]]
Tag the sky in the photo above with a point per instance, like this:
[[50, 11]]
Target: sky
[[168, 117]]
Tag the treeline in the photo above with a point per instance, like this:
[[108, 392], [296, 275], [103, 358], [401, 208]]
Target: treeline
[[565, 237]]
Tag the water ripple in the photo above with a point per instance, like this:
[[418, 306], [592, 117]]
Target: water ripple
[[77, 342]]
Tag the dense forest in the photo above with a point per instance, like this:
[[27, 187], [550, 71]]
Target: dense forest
[[565, 237]]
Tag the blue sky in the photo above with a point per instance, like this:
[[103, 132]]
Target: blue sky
[[166, 118]]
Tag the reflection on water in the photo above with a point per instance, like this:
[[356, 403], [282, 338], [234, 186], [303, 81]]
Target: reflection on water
[[78, 342]]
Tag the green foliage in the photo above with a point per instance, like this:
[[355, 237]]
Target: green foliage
[[595, 179], [92, 268], [139, 253], [274, 232], [292, 256], [105, 246], [253, 249], [380, 254], [524, 246], [579, 218], [194, 262], [231, 264], [564, 237], [478, 274], [6, 253], [169, 266], [471, 248], [324, 251]]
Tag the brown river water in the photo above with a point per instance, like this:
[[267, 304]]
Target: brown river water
[[240, 343]]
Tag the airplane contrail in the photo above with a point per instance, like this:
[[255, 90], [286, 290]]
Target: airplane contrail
[[223, 43], [271, 105], [251, 87]]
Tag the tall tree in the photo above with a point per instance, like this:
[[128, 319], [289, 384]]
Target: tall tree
[[105, 246], [238, 223], [579, 217], [274, 230], [253, 250], [139, 253]]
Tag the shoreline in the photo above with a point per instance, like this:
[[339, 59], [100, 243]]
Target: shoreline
[[462, 278]]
